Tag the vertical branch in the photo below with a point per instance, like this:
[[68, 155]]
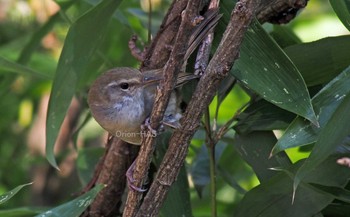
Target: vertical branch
[[218, 69], [166, 86]]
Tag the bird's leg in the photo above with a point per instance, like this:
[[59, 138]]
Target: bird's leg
[[147, 124], [130, 179]]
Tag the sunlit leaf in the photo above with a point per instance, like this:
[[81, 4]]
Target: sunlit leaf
[[300, 132], [342, 8], [264, 68], [8, 195], [320, 61], [334, 132], [75, 207], [83, 38]]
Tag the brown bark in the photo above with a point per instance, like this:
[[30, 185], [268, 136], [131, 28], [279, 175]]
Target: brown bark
[[218, 69]]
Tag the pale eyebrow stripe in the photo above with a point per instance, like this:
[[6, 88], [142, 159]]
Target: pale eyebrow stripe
[[112, 83]]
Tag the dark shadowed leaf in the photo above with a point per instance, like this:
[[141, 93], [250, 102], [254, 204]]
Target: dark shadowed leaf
[[83, 38], [200, 169], [262, 116], [337, 192], [255, 148], [265, 68], [274, 197], [300, 132], [320, 61], [87, 161]]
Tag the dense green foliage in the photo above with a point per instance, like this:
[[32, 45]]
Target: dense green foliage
[[287, 115]]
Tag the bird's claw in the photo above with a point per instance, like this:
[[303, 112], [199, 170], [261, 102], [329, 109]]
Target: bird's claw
[[130, 179]]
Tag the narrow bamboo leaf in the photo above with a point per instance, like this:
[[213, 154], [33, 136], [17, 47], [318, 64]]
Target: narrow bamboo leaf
[[320, 61], [8, 195], [35, 40], [10, 66], [334, 132], [75, 207], [21, 212], [265, 68], [300, 132], [342, 9], [83, 38]]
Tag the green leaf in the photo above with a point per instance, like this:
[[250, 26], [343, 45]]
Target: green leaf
[[320, 61], [83, 38], [10, 66], [75, 207], [35, 40], [300, 132], [21, 212], [334, 132], [274, 197], [342, 9], [200, 169], [255, 148], [265, 68], [8, 195], [87, 161], [262, 115], [284, 36], [337, 192]]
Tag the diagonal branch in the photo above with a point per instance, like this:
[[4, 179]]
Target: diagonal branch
[[217, 69]]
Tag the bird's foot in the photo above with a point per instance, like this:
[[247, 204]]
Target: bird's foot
[[131, 180]]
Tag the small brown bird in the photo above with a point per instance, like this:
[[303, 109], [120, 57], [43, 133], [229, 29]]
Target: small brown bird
[[122, 98]]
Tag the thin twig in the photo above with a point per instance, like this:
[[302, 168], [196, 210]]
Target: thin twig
[[223, 130]]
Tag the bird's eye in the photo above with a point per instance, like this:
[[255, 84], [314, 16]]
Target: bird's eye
[[124, 86]]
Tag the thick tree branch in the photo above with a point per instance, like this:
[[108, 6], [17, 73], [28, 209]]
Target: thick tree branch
[[117, 160], [164, 90], [217, 69]]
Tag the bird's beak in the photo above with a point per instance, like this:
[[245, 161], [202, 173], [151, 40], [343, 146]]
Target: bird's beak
[[150, 79]]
